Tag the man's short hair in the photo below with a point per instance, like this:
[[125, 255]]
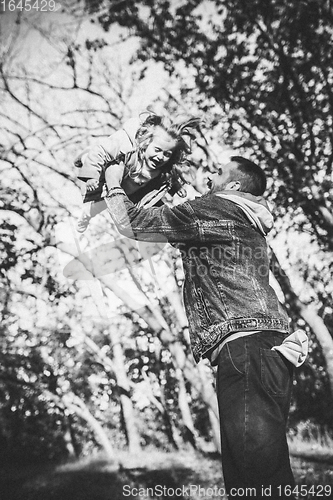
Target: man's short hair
[[252, 178]]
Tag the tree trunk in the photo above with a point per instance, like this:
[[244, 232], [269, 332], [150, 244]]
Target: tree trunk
[[210, 398], [133, 437], [197, 375], [309, 314], [190, 432], [75, 404], [68, 438], [155, 320], [161, 406]]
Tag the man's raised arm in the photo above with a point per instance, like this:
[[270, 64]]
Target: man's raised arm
[[175, 224]]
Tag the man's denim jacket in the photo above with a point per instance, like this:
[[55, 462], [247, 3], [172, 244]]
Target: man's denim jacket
[[225, 262]]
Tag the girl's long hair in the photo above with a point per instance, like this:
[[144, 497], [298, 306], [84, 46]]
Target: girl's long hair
[[181, 130]]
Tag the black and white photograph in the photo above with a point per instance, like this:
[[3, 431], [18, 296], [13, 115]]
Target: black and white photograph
[[166, 249]]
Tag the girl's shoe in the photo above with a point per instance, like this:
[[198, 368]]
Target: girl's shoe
[[83, 223]]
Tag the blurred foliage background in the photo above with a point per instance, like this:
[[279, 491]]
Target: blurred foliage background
[[97, 356]]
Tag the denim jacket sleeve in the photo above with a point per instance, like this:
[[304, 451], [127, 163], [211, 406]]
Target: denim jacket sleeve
[[175, 225]]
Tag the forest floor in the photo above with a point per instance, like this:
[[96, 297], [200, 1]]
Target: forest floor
[[151, 474]]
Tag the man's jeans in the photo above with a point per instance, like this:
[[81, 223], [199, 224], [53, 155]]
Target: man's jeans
[[253, 389]]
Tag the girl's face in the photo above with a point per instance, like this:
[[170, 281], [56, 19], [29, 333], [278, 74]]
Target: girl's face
[[158, 153]]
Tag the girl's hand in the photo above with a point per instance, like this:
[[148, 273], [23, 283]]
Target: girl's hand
[[92, 184]]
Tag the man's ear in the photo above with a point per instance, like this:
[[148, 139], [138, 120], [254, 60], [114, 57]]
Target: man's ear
[[233, 186]]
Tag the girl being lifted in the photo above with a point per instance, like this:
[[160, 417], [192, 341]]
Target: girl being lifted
[[153, 150]]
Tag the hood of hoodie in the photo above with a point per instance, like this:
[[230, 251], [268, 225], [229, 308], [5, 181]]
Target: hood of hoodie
[[255, 208]]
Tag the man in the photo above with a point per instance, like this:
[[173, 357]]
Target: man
[[234, 315]]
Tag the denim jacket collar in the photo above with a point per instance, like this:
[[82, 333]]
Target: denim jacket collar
[[255, 208]]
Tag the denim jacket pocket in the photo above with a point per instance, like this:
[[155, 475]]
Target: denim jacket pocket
[[228, 246], [275, 375]]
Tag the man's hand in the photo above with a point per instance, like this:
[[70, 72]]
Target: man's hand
[[114, 174]]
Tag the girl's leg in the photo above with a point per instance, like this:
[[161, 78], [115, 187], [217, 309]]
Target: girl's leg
[[96, 207]]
